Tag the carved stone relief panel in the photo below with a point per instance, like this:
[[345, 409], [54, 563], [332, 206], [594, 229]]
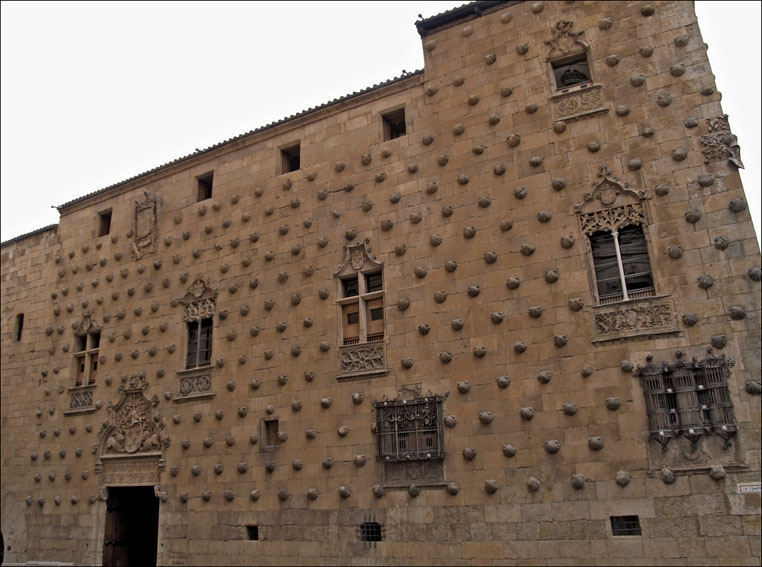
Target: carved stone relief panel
[[200, 301], [647, 316], [362, 360], [146, 221], [579, 104], [130, 472], [133, 426], [721, 143], [420, 472]]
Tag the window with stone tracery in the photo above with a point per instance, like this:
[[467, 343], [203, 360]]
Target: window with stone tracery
[[200, 306], [613, 220]]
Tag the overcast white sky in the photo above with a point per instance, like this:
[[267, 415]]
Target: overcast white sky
[[94, 93]]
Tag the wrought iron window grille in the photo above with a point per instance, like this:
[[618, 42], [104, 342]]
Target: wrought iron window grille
[[689, 399], [410, 430]]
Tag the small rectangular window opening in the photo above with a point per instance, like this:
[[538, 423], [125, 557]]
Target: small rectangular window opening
[[625, 526], [370, 531], [350, 287], [571, 72], [373, 282], [353, 318], [204, 183], [394, 124], [80, 343], [104, 223], [253, 533], [290, 158], [19, 325], [377, 314], [271, 433]]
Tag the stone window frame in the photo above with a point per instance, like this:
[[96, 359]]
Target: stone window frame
[[89, 332], [609, 207], [199, 304], [81, 392], [362, 358], [387, 127], [105, 218], [266, 445], [204, 186], [566, 47], [689, 399]]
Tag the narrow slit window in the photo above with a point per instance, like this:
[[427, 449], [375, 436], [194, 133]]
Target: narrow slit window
[[253, 533], [290, 158], [204, 185], [104, 223], [394, 124], [19, 326], [271, 433]]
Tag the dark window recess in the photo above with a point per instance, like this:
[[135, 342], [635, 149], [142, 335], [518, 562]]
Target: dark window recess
[[80, 343], [290, 158], [253, 533], [370, 531], [204, 183], [409, 430], [271, 433], [19, 325], [636, 267], [688, 398], [373, 282], [199, 343], [625, 526], [571, 72], [353, 318], [104, 223], [394, 124], [350, 287], [377, 314]]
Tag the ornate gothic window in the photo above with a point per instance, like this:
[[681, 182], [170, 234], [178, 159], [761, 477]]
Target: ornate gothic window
[[409, 430], [613, 219], [200, 305], [361, 313], [688, 398]]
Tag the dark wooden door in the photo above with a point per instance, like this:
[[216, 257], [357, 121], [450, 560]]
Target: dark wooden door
[[132, 522]]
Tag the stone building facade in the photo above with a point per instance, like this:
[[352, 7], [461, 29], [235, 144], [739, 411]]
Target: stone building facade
[[504, 310]]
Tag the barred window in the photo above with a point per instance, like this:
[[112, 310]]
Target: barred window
[[409, 430], [688, 398], [625, 526]]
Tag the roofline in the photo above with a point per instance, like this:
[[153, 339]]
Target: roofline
[[28, 234], [469, 11], [404, 76]]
